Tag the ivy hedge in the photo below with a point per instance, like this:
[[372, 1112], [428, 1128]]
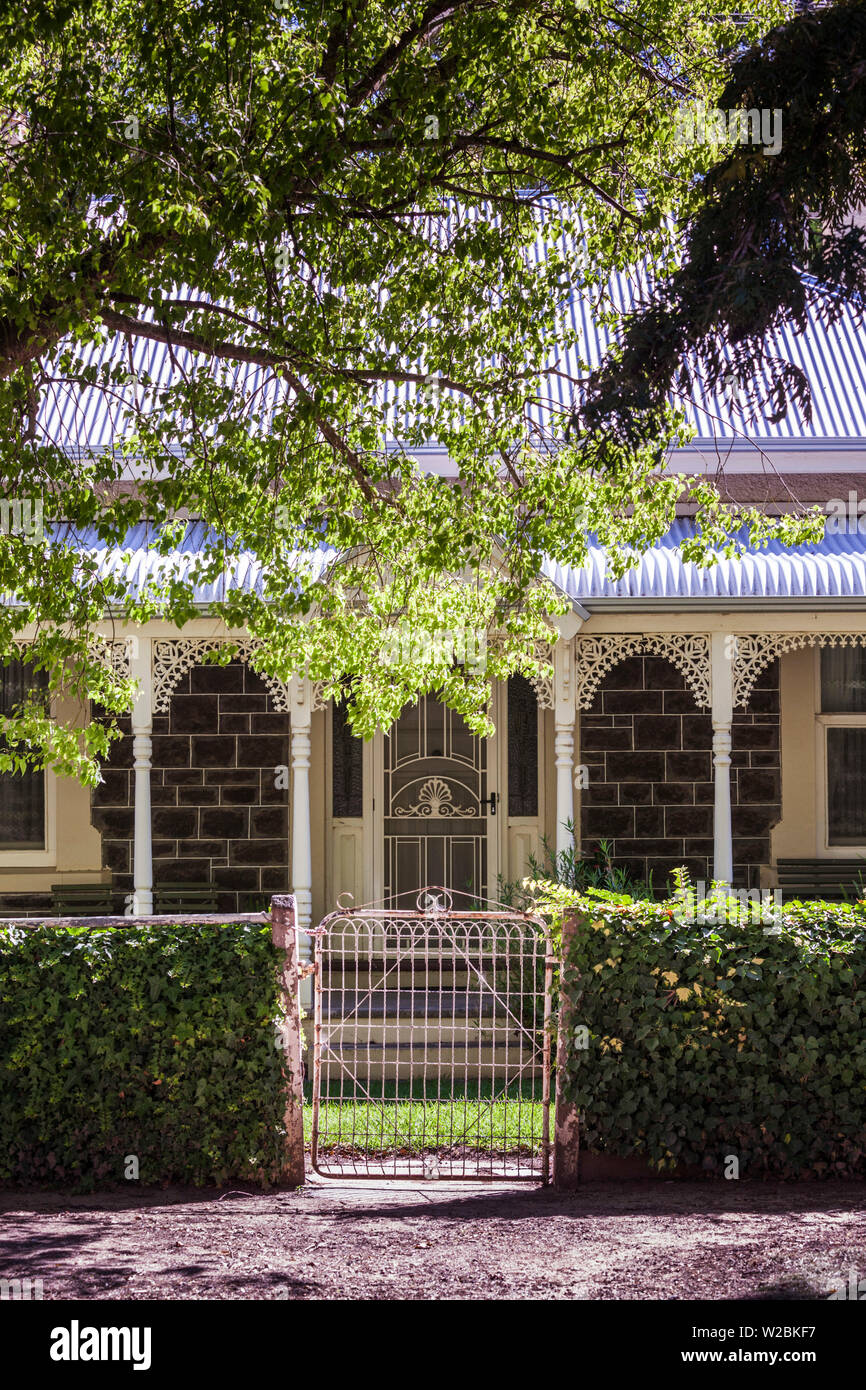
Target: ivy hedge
[[699, 1039], [152, 1042]]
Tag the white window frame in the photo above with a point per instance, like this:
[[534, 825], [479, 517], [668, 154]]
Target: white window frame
[[47, 856], [823, 722]]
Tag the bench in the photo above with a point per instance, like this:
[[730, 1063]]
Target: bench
[[82, 900], [822, 878], [184, 898]]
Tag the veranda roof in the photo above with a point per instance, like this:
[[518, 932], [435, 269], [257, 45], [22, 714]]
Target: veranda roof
[[829, 574]]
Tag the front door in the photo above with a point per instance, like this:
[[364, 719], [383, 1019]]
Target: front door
[[438, 803]]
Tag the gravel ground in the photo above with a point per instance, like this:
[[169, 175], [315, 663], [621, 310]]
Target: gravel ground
[[442, 1240]]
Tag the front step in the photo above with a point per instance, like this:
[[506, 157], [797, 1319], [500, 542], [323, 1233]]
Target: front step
[[360, 1004], [414, 1015], [436, 1047], [438, 975]]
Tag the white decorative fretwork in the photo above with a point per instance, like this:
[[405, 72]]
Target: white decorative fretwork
[[754, 653], [319, 699], [436, 801], [543, 685], [173, 657], [688, 651], [117, 653]]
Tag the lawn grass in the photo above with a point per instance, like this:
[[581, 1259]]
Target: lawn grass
[[409, 1118]]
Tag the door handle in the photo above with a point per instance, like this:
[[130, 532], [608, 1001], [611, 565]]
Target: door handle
[[491, 802]]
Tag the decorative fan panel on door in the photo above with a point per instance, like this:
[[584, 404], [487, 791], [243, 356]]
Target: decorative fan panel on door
[[436, 800]]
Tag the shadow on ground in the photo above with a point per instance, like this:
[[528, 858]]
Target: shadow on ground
[[440, 1240]]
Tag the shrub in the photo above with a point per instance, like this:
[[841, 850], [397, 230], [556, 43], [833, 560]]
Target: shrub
[[573, 870], [152, 1041], [707, 1040]]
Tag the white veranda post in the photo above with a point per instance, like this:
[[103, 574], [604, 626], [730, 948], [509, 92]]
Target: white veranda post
[[723, 658], [141, 669], [564, 716]]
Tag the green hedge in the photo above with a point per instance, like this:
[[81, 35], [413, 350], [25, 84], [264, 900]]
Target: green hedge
[[707, 1040], [152, 1041]]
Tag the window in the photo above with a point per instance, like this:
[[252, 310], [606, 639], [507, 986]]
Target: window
[[347, 768], [522, 748], [22, 794], [843, 699]]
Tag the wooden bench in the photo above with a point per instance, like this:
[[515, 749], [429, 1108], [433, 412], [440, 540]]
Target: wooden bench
[[822, 878], [184, 898], [82, 899]]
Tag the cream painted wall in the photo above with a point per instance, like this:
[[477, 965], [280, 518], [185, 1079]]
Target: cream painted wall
[[796, 834], [79, 845]]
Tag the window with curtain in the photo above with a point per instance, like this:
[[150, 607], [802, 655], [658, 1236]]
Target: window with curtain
[[522, 748], [22, 794], [347, 768], [843, 692]]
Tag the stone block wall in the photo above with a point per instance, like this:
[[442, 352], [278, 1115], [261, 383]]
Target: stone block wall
[[648, 751], [19, 904], [216, 812]]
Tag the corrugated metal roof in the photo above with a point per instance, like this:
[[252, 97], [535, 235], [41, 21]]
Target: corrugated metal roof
[[832, 356], [138, 567], [833, 570]]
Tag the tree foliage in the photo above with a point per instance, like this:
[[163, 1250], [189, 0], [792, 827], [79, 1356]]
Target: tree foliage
[[766, 240], [343, 225]]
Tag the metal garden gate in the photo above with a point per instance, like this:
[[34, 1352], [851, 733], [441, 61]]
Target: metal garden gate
[[432, 1043]]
